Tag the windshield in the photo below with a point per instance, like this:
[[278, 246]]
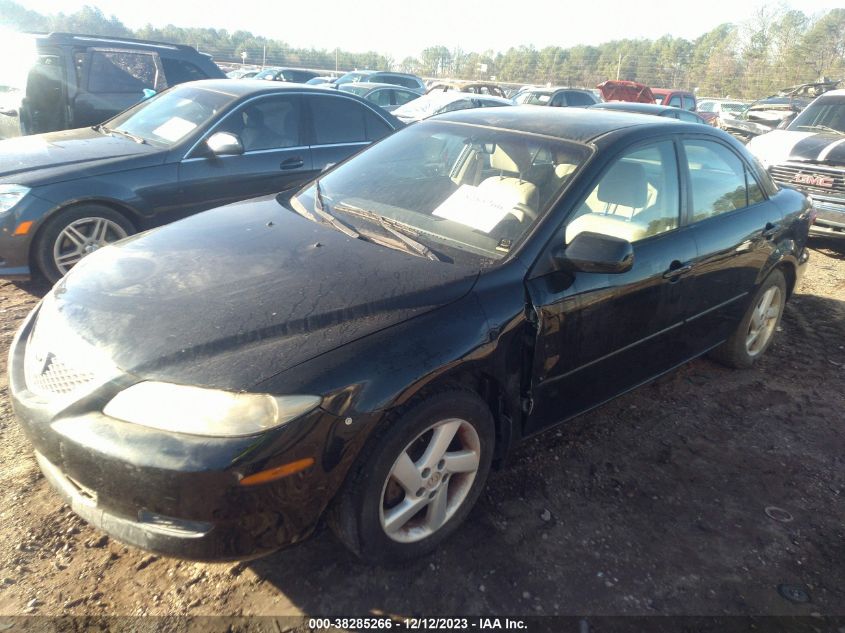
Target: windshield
[[826, 114], [358, 90], [467, 193], [659, 99], [172, 115], [270, 73], [352, 77], [534, 98]]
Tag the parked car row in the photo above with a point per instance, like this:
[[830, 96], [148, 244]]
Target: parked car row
[[66, 194]]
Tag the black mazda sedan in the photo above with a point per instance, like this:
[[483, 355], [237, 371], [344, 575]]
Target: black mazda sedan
[[366, 348], [196, 146]]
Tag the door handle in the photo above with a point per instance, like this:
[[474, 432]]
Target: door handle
[[9, 112], [769, 230], [292, 163], [676, 269]]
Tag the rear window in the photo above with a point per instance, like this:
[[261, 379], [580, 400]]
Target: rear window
[[579, 99]]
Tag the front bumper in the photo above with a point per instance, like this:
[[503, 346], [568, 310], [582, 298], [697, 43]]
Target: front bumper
[[15, 248], [177, 494], [830, 216]]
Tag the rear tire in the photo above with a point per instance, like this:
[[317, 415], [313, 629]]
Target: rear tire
[[72, 234], [758, 326], [416, 482]]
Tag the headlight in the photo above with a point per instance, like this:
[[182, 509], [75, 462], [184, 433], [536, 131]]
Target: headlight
[[10, 195], [200, 411]]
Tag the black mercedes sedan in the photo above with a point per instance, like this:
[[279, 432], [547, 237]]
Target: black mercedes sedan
[[192, 147], [365, 348]]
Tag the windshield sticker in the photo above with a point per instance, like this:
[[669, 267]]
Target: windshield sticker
[[481, 209], [174, 129]]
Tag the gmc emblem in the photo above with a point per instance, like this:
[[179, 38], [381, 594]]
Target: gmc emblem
[[815, 181]]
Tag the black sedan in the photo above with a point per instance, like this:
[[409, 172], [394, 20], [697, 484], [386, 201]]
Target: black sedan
[[190, 148], [367, 347], [653, 109]]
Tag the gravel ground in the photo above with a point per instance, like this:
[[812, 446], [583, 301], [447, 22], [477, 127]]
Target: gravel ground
[[699, 494]]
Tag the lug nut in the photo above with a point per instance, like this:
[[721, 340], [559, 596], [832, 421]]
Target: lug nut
[[431, 494], [426, 473], [441, 464], [420, 492]]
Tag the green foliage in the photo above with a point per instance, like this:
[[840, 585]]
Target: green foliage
[[777, 47]]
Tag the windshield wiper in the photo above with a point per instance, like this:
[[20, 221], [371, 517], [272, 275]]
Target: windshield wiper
[[395, 229], [319, 209], [824, 128], [107, 130]]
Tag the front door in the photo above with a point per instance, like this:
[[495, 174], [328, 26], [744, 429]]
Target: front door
[[275, 157], [601, 334], [111, 80]]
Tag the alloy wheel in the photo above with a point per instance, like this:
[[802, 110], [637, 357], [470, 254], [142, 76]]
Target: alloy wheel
[[82, 237], [763, 321], [429, 480]]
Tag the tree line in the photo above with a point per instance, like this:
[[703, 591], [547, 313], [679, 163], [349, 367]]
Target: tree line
[[777, 47]]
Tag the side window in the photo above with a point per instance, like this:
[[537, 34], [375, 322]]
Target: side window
[[689, 117], [272, 123], [380, 97], [404, 96], [689, 103], [559, 100], [636, 198], [579, 99], [675, 101], [718, 180], [178, 71], [377, 129], [337, 120], [123, 72], [460, 104]]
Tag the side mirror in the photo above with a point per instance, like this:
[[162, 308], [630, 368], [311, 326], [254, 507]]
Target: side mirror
[[597, 253], [224, 144]]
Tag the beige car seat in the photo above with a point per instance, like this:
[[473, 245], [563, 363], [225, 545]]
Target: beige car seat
[[512, 184]]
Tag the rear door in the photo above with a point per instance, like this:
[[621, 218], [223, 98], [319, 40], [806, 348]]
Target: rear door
[[735, 228], [275, 156], [341, 126], [601, 334], [110, 80]]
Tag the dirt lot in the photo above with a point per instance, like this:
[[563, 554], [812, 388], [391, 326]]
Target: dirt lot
[[654, 504]]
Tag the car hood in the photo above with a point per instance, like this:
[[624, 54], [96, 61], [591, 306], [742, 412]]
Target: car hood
[[780, 146], [233, 296], [57, 156], [625, 91]]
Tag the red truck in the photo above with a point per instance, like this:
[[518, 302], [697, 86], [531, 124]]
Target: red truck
[[681, 99]]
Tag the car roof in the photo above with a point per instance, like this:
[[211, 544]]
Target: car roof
[[666, 91], [78, 39], [630, 106], [240, 88], [581, 125], [373, 85]]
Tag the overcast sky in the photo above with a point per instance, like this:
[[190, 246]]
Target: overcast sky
[[404, 27]]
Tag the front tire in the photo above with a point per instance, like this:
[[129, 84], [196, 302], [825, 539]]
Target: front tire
[[758, 326], [72, 234], [416, 482]]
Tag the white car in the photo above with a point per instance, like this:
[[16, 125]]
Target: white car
[[440, 102]]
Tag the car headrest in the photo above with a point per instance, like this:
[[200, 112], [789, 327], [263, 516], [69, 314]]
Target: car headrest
[[253, 117], [625, 185], [509, 160]]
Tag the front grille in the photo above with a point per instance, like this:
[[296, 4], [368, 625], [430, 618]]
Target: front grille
[[792, 174], [57, 362], [50, 375]]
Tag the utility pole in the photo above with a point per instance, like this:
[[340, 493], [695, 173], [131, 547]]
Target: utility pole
[[618, 66], [264, 58], [335, 58]]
